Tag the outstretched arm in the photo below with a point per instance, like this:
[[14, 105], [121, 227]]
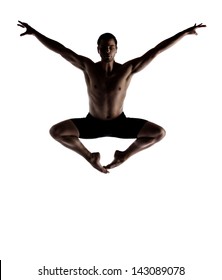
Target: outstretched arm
[[173, 40], [72, 57], [141, 62]]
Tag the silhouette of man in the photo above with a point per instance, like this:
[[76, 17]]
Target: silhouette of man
[[107, 82]]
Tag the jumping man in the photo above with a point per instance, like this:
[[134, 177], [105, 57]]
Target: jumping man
[[107, 82]]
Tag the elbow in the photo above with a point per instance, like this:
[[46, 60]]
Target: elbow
[[155, 51]]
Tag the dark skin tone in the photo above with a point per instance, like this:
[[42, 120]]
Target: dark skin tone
[[107, 82]]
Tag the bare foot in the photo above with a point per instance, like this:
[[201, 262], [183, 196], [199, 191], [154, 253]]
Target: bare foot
[[119, 158], [95, 162]]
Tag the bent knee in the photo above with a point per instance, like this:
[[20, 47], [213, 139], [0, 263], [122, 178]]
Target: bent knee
[[152, 130], [54, 132], [65, 128], [159, 134], [162, 133]]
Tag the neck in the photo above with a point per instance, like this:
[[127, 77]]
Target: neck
[[107, 66]]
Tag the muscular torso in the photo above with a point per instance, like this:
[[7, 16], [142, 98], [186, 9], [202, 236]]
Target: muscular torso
[[106, 89]]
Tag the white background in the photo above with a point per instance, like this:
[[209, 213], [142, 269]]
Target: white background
[[160, 208]]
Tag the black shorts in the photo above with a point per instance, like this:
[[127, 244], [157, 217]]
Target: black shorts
[[121, 127]]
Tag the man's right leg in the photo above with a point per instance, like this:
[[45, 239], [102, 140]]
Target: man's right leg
[[67, 134]]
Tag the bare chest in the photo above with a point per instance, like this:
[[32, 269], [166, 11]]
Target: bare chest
[[108, 84]]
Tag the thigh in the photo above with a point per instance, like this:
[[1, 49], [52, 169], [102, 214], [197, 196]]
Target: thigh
[[151, 130], [65, 128], [89, 127], [129, 127]]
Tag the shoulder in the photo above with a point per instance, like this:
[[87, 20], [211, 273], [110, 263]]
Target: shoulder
[[117, 64]]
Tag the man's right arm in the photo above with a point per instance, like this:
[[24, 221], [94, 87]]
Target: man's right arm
[[77, 60]]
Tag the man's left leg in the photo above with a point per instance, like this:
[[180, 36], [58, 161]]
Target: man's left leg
[[149, 134]]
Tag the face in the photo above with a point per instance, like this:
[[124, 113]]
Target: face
[[107, 50]]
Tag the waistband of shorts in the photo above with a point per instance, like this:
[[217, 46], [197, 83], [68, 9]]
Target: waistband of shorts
[[121, 116]]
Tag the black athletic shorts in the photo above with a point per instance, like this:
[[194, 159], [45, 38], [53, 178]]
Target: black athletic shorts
[[121, 127]]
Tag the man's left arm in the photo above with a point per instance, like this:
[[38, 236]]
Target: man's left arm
[[141, 62]]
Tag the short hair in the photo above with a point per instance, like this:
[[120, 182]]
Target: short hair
[[106, 36]]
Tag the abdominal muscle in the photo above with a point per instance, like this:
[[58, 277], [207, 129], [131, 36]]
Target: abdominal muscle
[[106, 105]]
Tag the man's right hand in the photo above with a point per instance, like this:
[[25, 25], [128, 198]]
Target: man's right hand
[[29, 29]]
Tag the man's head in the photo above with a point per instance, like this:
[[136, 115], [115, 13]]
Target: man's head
[[106, 36], [107, 47]]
